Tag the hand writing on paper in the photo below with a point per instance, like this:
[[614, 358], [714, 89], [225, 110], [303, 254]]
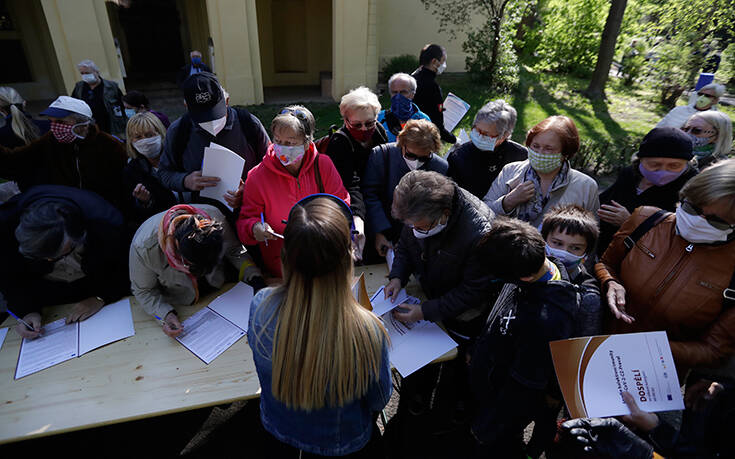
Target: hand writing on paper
[[614, 213], [639, 419], [408, 313], [34, 320], [196, 182], [382, 244], [84, 309], [234, 197], [522, 193], [392, 289], [263, 231], [616, 301], [171, 325], [141, 193]]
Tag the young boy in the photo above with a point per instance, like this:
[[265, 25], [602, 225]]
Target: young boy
[[511, 372]]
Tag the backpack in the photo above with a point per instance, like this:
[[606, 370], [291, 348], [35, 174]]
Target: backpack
[[322, 143]]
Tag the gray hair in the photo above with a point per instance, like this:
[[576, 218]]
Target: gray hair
[[712, 184], [89, 63], [402, 76], [298, 118], [500, 113], [718, 89], [422, 194], [359, 99], [45, 227], [722, 123]]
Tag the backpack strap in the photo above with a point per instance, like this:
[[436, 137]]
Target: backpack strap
[[643, 228], [728, 295], [318, 174], [181, 139], [250, 130]]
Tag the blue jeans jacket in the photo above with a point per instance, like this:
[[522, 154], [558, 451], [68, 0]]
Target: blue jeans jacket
[[326, 431]]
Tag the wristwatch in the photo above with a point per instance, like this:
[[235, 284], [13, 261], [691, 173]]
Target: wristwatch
[[101, 300]]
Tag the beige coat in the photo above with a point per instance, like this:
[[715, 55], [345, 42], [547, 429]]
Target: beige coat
[[578, 188], [157, 286]]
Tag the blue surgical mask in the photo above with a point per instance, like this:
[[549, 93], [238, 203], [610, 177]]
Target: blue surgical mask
[[402, 107], [482, 142], [196, 60], [569, 260], [129, 112]]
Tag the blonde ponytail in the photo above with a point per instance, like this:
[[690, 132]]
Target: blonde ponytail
[[22, 126]]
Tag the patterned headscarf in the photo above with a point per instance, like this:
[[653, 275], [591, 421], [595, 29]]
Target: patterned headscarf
[[171, 219]]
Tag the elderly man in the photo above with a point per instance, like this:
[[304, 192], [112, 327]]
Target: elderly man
[[195, 66], [707, 98], [73, 153], [402, 88], [103, 97], [474, 165]]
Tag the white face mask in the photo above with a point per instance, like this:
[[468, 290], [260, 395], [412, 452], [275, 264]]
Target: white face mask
[[432, 232], [696, 229], [441, 68], [570, 260], [412, 164], [149, 147], [89, 78], [288, 154], [214, 126]]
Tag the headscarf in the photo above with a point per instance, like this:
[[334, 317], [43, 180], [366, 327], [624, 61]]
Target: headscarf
[[167, 241]]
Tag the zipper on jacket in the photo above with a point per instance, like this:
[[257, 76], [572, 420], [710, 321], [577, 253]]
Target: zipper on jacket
[[76, 161], [298, 184], [675, 269]]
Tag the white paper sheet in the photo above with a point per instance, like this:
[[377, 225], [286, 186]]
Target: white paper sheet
[[112, 323], [381, 305], [223, 163], [3, 333], [234, 305], [454, 110], [207, 334], [415, 345], [389, 257], [58, 343], [462, 137]]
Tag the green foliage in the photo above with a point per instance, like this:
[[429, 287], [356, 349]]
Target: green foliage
[[478, 46], [726, 73], [405, 63], [571, 35]]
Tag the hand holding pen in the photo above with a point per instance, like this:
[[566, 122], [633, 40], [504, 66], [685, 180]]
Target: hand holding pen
[[29, 327], [263, 232]]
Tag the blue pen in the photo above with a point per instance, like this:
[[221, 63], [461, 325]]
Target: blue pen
[[262, 221], [171, 326], [20, 320]]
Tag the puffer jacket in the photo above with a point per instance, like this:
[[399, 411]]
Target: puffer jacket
[[452, 273], [676, 286]]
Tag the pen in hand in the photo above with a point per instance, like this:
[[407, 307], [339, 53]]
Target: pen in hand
[[262, 222], [171, 326], [28, 326]]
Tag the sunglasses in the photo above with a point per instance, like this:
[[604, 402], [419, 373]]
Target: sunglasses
[[367, 124], [297, 113], [414, 157], [698, 131], [713, 220]]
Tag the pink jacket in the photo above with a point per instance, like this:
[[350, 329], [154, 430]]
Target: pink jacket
[[271, 189]]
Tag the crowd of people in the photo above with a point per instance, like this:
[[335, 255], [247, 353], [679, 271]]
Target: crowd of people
[[512, 246]]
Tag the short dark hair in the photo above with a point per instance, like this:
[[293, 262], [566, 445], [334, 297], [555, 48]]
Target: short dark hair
[[136, 99], [429, 52], [200, 243], [516, 248], [572, 219]]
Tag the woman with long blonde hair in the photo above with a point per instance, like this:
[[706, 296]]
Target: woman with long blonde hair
[[322, 359], [20, 129]]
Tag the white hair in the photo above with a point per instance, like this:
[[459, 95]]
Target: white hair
[[90, 64], [718, 89], [723, 125], [359, 99], [403, 76]]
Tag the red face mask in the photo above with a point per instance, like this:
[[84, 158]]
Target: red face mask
[[62, 132], [360, 134]]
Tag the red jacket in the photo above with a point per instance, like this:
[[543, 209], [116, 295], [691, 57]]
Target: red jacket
[[272, 190]]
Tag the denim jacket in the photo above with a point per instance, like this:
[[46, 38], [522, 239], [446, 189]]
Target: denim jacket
[[326, 431]]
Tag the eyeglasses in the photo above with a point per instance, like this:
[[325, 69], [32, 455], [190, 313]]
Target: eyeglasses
[[698, 131], [367, 124], [705, 94], [713, 220], [425, 231], [414, 157]]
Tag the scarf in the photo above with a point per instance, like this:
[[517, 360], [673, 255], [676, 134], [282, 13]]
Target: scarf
[[529, 211], [167, 241]]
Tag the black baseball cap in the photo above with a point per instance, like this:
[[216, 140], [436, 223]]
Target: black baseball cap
[[204, 97]]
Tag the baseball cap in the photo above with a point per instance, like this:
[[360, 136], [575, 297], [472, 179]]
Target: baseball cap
[[65, 105], [666, 142], [204, 98]]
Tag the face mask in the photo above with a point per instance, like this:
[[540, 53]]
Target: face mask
[[696, 229], [361, 135], [64, 133], [196, 60], [698, 141], [441, 68], [129, 112], [89, 78], [412, 164], [288, 154], [570, 260], [703, 101], [432, 232], [482, 142], [660, 178], [401, 106], [544, 163], [215, 126], [149, 147]]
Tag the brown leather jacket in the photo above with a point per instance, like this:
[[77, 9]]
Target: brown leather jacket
[[675, 286]]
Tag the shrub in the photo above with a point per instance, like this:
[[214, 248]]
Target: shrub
[[405, 63]]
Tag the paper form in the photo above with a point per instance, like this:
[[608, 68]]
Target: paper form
[[58, 343], [234, 305], [390, 255], [111, 323], [381, 305], [223, 163], [207, 334], [454, 110], [3, 333]]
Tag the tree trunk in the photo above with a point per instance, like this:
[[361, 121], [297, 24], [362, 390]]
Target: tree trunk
[[596, 88], [497, 23]]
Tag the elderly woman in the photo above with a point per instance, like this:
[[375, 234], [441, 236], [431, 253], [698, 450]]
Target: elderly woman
[[402, 89], [707, 98], [659, 170], [61, 245], [137, 102], [103, 96], [291, 170], [20, 128], [350, 146], [75, 153], [527, 189], [146, 194], [176, 252], [711, 134], [474, 165], [678, 275], [417, 148]]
